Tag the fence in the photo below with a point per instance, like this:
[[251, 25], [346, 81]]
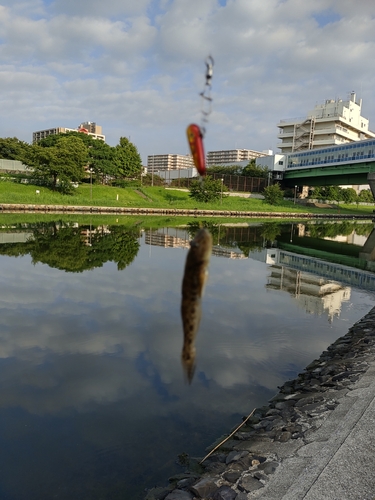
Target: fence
[[242, 182], [231, 182]]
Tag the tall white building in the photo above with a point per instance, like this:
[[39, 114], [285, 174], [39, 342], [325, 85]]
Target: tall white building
[[231, 156], [89, 128], [169, 162], [329, 124]]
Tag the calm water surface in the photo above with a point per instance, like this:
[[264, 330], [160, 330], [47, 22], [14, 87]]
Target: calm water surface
[[93, 402]]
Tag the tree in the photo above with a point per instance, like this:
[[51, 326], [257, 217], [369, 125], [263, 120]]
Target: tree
[[366, 196], [63, 161], [273, 195], [127, 159], [14, 149], [334, 193], [205, 190], [102, 159], [349, 195], [251, 170]]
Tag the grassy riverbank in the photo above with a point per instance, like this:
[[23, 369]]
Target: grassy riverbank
[[153, 197]]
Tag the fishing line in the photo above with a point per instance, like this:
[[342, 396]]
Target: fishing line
[[196, 133], [206, 107]]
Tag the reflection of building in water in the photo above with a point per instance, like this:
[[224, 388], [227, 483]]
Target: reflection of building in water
[[16, 237], [88, 233], [165, 240], [315, 294], [267, 255], [227, 252], [181, 239]]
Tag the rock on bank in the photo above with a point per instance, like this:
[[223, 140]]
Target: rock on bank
[[315, 440]]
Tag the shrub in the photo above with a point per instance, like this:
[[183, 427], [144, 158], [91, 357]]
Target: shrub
[[273, 195], [205, 190]]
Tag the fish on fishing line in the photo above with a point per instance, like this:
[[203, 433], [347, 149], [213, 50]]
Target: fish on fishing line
[[193, 284]]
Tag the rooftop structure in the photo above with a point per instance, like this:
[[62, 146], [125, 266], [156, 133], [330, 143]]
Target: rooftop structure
[[231, 156], [169, 162], [333, 123], [89, 128]]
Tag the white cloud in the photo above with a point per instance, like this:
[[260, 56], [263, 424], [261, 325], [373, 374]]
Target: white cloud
[[138, 67]]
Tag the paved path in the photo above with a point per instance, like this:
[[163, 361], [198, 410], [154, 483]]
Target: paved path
[[338, 461]]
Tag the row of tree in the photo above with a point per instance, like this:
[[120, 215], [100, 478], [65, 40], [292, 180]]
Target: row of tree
[[61, 159], [346, 195], [251, 170]]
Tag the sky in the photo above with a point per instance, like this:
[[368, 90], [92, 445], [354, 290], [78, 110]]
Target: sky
[[137, 67]]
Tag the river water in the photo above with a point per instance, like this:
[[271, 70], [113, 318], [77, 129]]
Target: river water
[[93, 400]]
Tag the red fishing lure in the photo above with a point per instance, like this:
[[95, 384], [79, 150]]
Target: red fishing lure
[[195, 138]]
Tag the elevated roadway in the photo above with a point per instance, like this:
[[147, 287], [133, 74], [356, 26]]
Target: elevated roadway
[[331, 175]]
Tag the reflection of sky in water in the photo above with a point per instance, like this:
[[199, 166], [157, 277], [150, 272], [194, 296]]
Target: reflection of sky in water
[[93, 400]]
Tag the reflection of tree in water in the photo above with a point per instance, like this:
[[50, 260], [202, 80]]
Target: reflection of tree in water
[[118, 246], [344, 228], [194, 226], [60, 247], [270, 231], [64, 247]]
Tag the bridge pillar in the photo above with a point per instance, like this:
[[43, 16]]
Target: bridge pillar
[[371, 181]]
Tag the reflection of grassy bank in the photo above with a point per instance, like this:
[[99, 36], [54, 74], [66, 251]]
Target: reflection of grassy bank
[[153, 222], [151, 197]]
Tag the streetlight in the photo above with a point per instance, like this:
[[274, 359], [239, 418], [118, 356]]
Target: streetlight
[[91, 183], [221, 197], [295, 194]]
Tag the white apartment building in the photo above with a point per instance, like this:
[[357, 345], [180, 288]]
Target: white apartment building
[[231, 156], [332, 123], [90, 128], [169, 162]]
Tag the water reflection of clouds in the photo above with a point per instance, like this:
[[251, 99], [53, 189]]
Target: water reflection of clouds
[[73, 340]]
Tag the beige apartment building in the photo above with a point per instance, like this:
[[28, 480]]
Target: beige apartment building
[[333, 123], [90, 128], [169, 162], [231, 156]]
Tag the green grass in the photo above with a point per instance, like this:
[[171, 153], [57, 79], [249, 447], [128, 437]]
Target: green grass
[[154, 197]]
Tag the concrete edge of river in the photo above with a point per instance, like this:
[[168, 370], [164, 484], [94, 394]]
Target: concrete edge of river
[[315, 439], [75, 209]]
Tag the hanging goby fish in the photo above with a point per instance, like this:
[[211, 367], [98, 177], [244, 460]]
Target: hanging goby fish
[[195, 277]]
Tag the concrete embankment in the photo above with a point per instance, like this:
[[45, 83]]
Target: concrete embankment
[[315, 440], [72, 209]]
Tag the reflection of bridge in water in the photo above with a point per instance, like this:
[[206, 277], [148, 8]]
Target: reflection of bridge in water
[[328, 270]]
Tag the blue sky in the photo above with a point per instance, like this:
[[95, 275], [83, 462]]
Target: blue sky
[[137, 68]]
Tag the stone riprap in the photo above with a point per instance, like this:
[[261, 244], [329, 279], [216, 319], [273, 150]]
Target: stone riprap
[[194, 212], [285, 446]]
